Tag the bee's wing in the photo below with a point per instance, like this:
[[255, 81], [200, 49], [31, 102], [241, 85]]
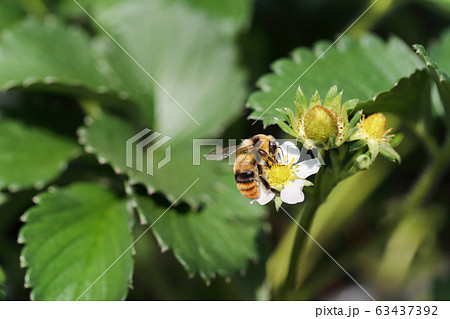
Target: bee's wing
[[222, 153]]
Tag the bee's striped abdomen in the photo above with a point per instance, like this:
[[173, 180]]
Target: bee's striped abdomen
[[246, 183]]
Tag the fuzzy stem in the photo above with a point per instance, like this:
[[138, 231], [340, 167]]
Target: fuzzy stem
[[428, 179], [324, 183], [305, 221]]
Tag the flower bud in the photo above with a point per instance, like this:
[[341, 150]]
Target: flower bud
[[363, 161], [320, 124], [372, 131], [316, 125]]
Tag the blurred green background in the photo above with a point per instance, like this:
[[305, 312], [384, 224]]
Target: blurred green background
[[394, 256]]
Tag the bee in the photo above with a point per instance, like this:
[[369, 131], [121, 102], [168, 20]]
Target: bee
[[253, 155]]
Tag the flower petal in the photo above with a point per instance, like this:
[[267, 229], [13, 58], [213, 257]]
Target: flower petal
[[290, 150], [292, 192], [307, 168], [264, 196]]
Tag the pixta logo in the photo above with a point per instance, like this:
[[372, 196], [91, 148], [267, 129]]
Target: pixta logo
[[143, 141]]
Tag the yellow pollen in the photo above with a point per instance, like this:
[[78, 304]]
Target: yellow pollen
[[279, 174]]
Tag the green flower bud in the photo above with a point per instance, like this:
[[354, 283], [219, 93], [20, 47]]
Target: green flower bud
[[363, 161], [319, 125], [372, 131]]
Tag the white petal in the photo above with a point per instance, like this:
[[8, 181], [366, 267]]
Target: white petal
[[292, 192], [290, 150], [307, 168], [264, 196]]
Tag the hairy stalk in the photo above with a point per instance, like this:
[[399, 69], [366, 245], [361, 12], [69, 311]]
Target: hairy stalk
[[306, 218], [326, 179], [439, 163]]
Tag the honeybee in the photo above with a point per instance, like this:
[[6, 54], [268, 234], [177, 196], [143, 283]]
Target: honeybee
[[252, 156]]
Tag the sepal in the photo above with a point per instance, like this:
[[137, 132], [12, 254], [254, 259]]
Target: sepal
[[388, 151], [357, 145], [315, 100], [278, 202], [335, 104], [286, 128], [330, 96], [301, 103]]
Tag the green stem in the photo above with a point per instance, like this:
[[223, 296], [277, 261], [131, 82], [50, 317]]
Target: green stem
[[305, 221], [431, 145], [379, 10], [324, 183], [428, 179]]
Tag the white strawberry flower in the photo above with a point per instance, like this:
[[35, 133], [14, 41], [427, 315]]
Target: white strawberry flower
[[288, 176]]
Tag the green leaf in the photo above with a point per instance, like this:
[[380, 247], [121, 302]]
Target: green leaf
[[232, 15], [362, 68], [71, 237], [70, 10], [219, 238], [208, 84], [107, 135], [221, 212], [440, 50], [36, 53], [10, 13], [403, 99], [439, 67], [31, 156]]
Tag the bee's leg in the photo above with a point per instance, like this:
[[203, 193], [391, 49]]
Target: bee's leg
[[260, 170], [266, 157], [267, 185]]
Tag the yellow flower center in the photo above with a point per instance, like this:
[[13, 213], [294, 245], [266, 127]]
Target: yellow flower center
[[279, 174], [320, 124], [374, 126]]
